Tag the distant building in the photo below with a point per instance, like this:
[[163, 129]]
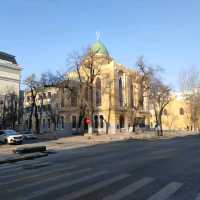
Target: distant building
[[176, 115]]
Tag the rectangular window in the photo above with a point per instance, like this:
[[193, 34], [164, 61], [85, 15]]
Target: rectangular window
[[73, 121], [62, 122], [49, 123], [49, 95], [43, 124], [74, 96]]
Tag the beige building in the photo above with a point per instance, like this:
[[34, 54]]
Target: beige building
[[115, 99], [176, 115]]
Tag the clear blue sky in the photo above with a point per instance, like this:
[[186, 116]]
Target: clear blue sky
[[41, 33]]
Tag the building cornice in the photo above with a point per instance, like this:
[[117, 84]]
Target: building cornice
[[11, 66], [9, 79]]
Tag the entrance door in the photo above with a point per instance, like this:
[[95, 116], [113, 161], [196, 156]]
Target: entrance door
[[121, 121]]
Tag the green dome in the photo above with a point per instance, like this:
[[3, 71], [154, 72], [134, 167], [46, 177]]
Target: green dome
[[99, 48]]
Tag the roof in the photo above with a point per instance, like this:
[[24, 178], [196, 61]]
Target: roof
[[99, 48], [8, 57]]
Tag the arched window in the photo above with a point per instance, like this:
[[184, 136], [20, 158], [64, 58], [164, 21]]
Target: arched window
[[120, 92], [181, 111], [98, 92], [96, 122], [165, 112], [101, 121]]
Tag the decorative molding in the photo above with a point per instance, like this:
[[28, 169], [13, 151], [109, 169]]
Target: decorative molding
[[9, 79]]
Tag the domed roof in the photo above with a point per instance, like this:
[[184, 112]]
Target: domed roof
[[99, 48]]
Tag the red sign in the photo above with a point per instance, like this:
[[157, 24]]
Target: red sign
[[87, 121]]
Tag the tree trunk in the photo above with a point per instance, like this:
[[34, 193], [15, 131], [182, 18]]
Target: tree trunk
[[37, 121]]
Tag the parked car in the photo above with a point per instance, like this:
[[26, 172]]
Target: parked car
[[10, 137], [28, 135]]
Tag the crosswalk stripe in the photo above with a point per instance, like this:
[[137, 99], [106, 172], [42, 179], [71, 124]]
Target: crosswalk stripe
[[37, 194], [37, 170], [52, 178], [39, 174], [17, 167], [198, 197], [129, 189], [166, 192], [94, 187]]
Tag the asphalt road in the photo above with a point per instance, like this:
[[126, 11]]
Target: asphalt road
[[136, 170]]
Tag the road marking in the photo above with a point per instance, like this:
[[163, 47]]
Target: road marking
[[19, 166], [38, 193], [166, 192], [52, 178], [198, 197], [129, 189], [44, 173], [94, 187]]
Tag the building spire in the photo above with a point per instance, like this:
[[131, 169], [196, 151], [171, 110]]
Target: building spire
[[98, 35]]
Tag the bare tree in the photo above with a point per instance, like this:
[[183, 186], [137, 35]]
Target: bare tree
[[190, 86], [86, 67], [32, 86], [159, 95]]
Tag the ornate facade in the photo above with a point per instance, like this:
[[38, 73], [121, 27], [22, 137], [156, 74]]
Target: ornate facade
[[114, 102]]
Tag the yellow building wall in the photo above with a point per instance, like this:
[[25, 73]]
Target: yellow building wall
[[172, 118]]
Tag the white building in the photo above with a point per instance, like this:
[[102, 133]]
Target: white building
[[10, 73]]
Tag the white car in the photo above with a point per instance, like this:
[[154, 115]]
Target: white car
[[10, 137]]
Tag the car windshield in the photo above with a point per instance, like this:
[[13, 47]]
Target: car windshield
[[10, 132]]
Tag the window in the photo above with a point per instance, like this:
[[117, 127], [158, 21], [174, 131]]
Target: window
[[74, 97], [28, 98], [96, 123], [181, 111], [62, 122], [98, 92], [74, 121], [40, 97], [62, 99], [131, 95], [49, 123], [57, 122], [121, 121], [62, 102], [86, 93], [165, 112], [120, 92], [101, 121], [43, 123], [49, 95]]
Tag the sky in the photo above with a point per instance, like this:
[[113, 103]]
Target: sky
[[42, 33]]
